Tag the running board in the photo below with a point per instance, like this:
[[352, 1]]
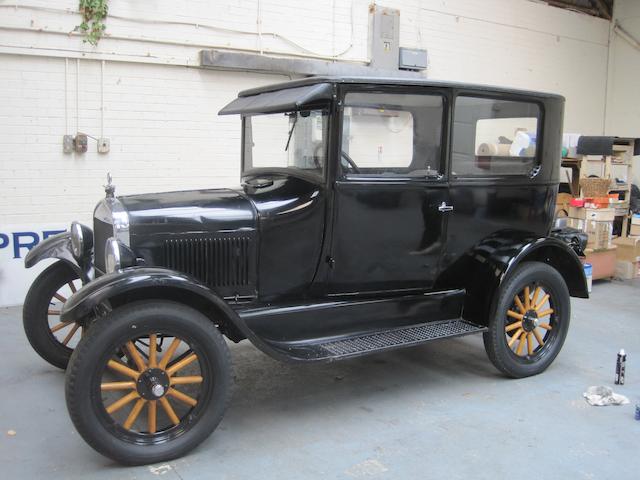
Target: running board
[[362, 344]]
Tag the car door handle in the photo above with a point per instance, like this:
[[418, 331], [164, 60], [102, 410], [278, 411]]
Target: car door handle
[[443, 207]]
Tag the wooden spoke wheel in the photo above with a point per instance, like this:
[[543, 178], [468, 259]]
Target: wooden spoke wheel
[[158, 395], [51, 338], [67, 333], [149, 382], [530, 320]]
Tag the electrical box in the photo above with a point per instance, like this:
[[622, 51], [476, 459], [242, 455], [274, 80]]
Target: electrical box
[[412, 59], [81, 143], [384, 37], [67, 144], [103, 145]]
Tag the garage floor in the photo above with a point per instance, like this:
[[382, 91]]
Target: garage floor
[[437, 411]]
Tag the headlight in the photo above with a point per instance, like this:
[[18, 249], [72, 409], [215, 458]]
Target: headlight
[[81, 240], [117, 256], [112, 261]]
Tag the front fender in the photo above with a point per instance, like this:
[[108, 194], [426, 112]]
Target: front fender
[[58, 246], [163, 281]]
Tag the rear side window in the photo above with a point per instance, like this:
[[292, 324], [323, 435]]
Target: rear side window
[[392, 134], [493, 137]]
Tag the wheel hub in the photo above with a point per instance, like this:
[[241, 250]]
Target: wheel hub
[[153, 384], [530, 321]]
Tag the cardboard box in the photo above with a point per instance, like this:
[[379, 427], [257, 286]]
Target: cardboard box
[[603, 262], [597, 214], [599, 234], [635, 230], [627, 270], [628, 249]]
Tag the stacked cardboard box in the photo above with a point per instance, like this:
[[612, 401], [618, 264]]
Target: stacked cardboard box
[[635, 225], [595, 222], [628, 257]]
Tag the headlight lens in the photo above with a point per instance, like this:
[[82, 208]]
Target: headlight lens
[[117, 256], [77, 241], [81, 240], [112, 262]]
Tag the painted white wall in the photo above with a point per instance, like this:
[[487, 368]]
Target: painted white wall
[[623, 90], [159, 109]]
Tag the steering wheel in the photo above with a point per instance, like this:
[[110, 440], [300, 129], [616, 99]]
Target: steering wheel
[[349, 161]]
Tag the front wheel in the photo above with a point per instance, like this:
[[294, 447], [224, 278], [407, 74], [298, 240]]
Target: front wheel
[[170, 395], [530, 321], [52, 339]]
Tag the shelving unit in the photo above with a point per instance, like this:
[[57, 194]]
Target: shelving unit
[[617, 165]]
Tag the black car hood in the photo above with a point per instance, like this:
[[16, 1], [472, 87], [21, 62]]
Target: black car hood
[[192, 211]]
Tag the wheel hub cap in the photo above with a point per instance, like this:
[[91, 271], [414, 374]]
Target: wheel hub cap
[[530, 321], [152, 384]]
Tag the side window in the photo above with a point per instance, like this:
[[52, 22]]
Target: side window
[[494, 137], [388, 134]]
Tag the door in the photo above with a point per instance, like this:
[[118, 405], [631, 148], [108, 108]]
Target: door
[[391, 196]]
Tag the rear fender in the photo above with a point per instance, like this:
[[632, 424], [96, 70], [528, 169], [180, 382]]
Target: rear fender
[[489, 265]]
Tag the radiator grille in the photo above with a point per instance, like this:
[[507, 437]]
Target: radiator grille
[[217, 262], [101, 232]]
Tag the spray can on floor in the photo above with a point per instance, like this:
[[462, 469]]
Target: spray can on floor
[[621, 364]]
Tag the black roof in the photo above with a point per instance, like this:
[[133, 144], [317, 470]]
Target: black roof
[[393, 81]]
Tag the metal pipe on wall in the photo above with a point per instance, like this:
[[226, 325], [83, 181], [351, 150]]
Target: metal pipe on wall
[[66, 95], [102, 65], [77, 94]]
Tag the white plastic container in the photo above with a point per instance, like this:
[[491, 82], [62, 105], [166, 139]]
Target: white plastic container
[[588, 272]]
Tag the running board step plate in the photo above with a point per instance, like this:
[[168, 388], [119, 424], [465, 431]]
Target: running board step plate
[[371, 342], [402, 337]]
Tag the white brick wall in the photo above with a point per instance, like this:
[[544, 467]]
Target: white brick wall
[[160, 111], [623, 105]]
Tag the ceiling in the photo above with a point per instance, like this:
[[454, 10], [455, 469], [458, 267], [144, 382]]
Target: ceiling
[[597, 8]]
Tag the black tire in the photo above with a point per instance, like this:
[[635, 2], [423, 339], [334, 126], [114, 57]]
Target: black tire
[[496, 341], [88, 364], [35, 317]]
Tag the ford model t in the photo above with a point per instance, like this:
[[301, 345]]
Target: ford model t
[[373, 214]]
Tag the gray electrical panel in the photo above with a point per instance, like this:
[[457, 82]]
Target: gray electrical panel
[[384, 37], [413, 59]]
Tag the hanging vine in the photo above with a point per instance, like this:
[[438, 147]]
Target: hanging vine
[[93, 14]]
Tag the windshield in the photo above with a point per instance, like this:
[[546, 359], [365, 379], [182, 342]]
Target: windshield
[[293, 140]]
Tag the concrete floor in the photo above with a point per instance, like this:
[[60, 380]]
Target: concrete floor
[[435, 411]]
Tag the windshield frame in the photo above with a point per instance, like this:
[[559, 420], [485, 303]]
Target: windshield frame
[[297, 172]]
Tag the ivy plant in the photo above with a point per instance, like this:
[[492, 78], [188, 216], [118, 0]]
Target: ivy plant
[[93, 14]]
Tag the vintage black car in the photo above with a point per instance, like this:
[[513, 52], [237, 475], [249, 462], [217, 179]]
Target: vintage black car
[[373, 214]]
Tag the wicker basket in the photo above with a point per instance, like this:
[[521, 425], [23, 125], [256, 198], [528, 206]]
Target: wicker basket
[[595, 187]]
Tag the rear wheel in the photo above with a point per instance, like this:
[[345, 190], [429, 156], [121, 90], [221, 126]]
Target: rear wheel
[[52, 339], [166, 399], [530, 321]]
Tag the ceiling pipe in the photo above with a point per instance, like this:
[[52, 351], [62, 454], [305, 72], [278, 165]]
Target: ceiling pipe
[[630, 39]]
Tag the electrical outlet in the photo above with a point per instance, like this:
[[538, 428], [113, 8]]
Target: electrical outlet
[[67, 143], [81, 143], [103, 145]]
